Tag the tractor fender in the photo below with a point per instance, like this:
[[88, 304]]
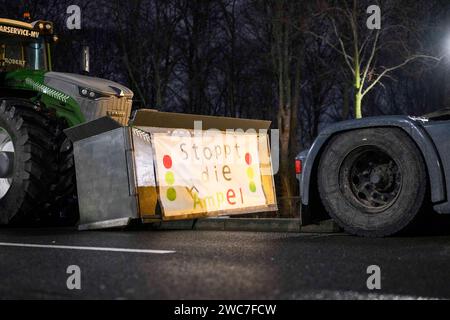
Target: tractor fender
[[412, 126]]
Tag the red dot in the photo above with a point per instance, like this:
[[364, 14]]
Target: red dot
[[248, 158], [167, 161]]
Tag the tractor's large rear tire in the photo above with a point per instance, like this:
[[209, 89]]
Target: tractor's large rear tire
[[41, 188], [373, 181]]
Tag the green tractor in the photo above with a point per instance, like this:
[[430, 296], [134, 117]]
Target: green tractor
[[37, 172]]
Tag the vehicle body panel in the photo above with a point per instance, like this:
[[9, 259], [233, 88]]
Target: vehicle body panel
[[60, 92], [32, 83]]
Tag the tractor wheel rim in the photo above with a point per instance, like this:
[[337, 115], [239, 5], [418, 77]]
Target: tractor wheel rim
[[6, 144], [373, 178]]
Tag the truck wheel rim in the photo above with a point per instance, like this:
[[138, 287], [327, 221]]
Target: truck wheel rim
[[7, 145], [370, 179]]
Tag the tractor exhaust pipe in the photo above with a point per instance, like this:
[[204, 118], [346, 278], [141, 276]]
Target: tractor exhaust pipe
[[6, 164]]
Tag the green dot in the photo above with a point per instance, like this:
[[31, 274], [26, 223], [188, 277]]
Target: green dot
[[252, 187], [170, 179], [250, 173], [171, 194]]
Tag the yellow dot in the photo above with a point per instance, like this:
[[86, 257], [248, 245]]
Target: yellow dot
[[170, 179], [250, 173]]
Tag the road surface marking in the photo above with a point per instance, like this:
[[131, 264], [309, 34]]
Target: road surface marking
[[29, 245], [352, 295]]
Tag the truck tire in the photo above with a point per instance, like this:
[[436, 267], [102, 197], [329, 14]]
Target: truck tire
[[372, 182], [40, 190]]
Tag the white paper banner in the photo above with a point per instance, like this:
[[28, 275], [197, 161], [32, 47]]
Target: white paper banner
[[208, 173]]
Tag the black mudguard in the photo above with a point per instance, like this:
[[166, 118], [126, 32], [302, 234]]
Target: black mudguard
[[426, 134]]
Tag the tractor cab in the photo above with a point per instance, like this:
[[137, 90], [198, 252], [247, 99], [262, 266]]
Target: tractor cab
[[25, 45]]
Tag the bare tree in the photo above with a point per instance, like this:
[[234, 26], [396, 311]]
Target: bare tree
[[360, 47], [286, 46]]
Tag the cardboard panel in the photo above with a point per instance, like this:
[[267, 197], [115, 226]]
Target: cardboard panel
[[268, 182], [156, 119]]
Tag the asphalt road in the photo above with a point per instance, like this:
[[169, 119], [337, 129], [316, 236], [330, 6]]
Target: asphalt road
[[219, 265]]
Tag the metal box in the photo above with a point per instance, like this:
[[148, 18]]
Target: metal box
[[117, 171]]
